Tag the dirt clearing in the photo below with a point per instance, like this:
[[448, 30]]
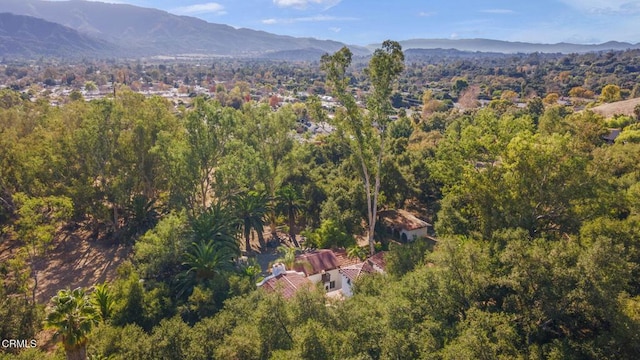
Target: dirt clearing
[[624, 107], [77, 261]]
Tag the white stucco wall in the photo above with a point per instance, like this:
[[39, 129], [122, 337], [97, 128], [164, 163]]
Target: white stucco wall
[[335, 276], [347, 291], [414, 234]]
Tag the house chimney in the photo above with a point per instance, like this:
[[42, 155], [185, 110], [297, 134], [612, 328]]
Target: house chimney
[[278, 269]]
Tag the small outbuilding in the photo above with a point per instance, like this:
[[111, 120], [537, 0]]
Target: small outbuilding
[[404, 225]]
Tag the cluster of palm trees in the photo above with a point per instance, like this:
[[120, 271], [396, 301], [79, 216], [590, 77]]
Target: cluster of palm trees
[[255, 209], [246, 213], [215, 245]]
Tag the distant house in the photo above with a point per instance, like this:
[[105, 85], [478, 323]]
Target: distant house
[[349, 274], [404, 225], [285, 282], [610, 138], [323, 266]]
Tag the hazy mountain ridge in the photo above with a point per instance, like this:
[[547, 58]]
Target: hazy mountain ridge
[[146, 32], [131, 31], [309, 54], [509, 47], [26, 36]]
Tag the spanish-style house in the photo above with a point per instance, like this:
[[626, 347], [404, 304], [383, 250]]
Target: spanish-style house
[[333, 269]]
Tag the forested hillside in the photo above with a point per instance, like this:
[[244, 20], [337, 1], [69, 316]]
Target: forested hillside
[[537, 218]]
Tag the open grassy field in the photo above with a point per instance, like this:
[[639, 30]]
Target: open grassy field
[[624, 107]]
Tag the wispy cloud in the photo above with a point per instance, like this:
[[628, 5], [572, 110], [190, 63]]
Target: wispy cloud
[[606, 7], [316, 18], [599, 31], [303, 4], [207, 8], [498, 11], [426, 13], [104, 1], [335, 29]]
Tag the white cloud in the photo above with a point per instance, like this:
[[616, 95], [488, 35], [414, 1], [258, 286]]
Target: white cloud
[[335, 29], [316, 18], [303, 4], [208, 8], [498, 11], [619, 7], [426, 13]]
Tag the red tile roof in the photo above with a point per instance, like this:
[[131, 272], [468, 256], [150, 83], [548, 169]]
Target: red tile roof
[[287, 284], [317, 261], [354, 271], [402, 219], [379, 260], [344, 259]]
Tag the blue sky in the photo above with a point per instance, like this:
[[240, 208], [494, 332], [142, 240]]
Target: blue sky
[[372, 21]]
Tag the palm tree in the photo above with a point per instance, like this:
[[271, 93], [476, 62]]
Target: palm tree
[[103, 301], [251, 209], [251, 269], [356, 251], [213, 249], [73, 315], [216, 224], [142, 214], [272, 219], [204, 261], [288, 258], [289, 203]]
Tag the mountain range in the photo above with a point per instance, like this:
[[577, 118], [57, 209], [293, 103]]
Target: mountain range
[[138, 31], [95, 29], [25, 36], [509, 47]]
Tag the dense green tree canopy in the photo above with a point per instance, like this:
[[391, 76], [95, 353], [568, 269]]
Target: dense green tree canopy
[[536, 215]]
